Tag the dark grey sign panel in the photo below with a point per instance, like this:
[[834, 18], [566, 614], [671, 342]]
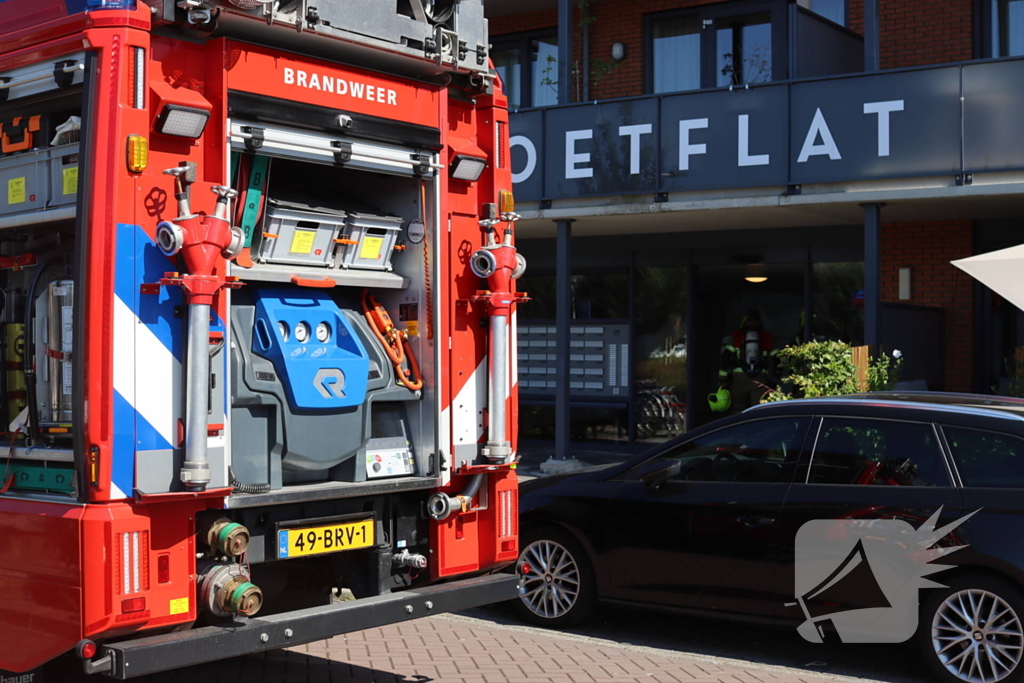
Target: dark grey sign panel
[[527, 143], [724, 139], [598, 149], [886, 125], [878, 126], [993, 106]]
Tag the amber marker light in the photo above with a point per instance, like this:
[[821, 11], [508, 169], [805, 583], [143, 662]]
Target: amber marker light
[[506, 202], [138, 153]]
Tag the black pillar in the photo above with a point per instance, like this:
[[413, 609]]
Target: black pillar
[[872, 275], [693, 368], [808, 296], [563, 321], [565, 8], [871, 36]]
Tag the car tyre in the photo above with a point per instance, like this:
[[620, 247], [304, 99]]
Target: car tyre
[[973, 631], [557, 588]]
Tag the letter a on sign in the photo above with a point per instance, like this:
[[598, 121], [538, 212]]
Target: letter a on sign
[[827, 146]]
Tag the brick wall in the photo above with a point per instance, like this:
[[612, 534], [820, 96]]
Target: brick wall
[[914, 33], [927, 249], [610, 22], [528, 21]]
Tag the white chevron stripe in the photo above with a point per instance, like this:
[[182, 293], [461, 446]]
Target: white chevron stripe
[[124, 350], [146, 373], [467, 408]]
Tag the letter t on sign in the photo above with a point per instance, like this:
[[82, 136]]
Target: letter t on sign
[[633, 133], [883, 109]]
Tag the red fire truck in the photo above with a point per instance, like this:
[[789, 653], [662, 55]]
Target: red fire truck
[[258, 299]]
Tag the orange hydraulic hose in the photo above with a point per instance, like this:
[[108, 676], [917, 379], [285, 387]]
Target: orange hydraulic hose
[[427, 293], [393, 345]]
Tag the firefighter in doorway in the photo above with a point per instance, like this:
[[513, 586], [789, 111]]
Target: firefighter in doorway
[[748, 358]]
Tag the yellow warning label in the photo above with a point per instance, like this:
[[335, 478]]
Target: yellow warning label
[[302, 242], [371, 248], [15, 190], [412, 328], [71, 180], [179, 606]]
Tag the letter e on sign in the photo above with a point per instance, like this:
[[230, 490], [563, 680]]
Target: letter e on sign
[[572, 157]]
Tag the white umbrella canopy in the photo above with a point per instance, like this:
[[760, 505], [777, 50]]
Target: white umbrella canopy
[[1001, 271]]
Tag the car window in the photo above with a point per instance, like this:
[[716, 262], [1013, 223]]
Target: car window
[[758, 451], [987, 459], [877, 453]]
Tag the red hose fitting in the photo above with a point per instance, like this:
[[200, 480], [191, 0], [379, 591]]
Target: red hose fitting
[[203, 240]]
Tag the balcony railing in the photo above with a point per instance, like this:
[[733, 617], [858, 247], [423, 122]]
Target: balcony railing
[[954, 121]]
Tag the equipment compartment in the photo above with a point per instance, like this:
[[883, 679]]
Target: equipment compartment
[[334, 420]]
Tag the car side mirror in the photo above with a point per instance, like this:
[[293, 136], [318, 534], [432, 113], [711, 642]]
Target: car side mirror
[[655, 474]]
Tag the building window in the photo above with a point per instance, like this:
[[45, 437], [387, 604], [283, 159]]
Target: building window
[[676, 54], [1007, 28], [736, 43], [528, 67], [510, 70], [833, 10], [743, 49]]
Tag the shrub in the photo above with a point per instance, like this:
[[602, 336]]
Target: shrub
[[826, 368]]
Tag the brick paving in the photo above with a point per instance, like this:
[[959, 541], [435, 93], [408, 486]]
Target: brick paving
[[460, 649], [485, 647]]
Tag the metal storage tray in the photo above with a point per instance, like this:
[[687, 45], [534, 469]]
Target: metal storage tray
[[38, 179], [299, 234]]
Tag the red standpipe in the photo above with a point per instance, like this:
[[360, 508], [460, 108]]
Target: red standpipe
[[203, 242]]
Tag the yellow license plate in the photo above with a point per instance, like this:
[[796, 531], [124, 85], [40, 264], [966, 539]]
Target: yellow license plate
[[325, 539]]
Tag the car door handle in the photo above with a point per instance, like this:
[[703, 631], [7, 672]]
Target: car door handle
[[755, 521]]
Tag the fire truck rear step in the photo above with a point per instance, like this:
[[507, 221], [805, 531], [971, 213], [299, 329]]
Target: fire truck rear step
[[188, 648]]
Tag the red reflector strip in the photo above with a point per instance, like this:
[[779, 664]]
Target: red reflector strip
[[163, 569], [133, 605]]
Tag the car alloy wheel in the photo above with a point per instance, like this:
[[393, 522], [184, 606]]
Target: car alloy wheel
[[977, 636], [550, 583]]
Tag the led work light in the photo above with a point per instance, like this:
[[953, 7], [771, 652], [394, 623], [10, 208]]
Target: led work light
[[468, 168], [183, 122]]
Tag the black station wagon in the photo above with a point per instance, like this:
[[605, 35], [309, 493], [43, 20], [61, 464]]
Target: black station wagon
[[708, 522]]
